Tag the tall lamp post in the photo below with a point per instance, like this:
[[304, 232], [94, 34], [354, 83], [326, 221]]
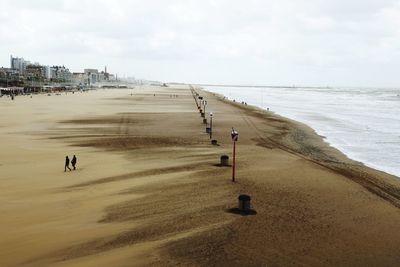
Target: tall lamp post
[[235, 137], [211, 117]]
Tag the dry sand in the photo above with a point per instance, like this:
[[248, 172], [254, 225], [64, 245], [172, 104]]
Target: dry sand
[[148, 189]]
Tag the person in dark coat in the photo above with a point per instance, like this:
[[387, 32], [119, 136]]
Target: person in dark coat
[[73, 162], [66, 164]]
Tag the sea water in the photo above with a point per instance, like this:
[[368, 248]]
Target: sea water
[[363, 123]]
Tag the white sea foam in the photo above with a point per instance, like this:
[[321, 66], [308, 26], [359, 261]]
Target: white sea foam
[[363, 123]]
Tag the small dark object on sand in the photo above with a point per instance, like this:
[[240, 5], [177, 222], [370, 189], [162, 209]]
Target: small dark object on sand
[[244, 208]]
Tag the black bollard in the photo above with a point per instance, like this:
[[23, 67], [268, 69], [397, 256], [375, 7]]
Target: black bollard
[[244, 203], [224, 160]]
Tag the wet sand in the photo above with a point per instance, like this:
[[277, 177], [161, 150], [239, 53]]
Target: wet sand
[[148, 189]]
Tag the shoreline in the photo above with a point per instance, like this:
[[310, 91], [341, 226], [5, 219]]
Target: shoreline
[[149, 190], [350, 153], [331, 157]]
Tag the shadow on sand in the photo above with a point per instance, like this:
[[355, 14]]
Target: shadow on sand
[[242, 212]]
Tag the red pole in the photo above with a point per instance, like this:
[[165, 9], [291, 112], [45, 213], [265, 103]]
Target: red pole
[[233, 165]]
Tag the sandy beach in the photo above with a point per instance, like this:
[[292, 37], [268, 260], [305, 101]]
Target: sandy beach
[[149, 191]]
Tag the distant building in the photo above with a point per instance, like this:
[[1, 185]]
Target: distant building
[[92, 76], [35, 72], [8, 77], [23, 71], [8, 71], [79, 78], [104, 75], [19, 64], [47, 72], [60, 74]]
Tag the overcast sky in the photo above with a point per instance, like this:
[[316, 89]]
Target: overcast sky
[[282, 42]]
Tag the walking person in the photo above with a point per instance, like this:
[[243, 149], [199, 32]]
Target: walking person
[[73, 162], [67, 164]]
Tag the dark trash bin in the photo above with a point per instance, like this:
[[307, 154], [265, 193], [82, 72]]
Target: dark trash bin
[[244, 203], [224, 160]]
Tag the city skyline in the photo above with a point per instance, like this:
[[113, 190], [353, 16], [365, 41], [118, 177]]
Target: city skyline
[[315, 43], [20, 64], [25, 73]]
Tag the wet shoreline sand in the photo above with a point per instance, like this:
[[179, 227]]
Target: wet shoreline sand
[[149, 191]]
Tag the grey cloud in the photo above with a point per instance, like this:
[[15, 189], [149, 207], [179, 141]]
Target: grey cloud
[[311, 42]]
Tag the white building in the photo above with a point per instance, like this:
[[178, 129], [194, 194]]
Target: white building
[[47, 72], [19, 64], [92, 76]]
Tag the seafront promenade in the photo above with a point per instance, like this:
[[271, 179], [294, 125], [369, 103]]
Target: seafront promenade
[[149, 191]]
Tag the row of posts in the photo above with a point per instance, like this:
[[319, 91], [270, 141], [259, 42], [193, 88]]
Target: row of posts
[[201, 103]]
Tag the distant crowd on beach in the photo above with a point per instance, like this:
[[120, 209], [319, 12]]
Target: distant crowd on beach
[[13, 93], [243, 103]]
